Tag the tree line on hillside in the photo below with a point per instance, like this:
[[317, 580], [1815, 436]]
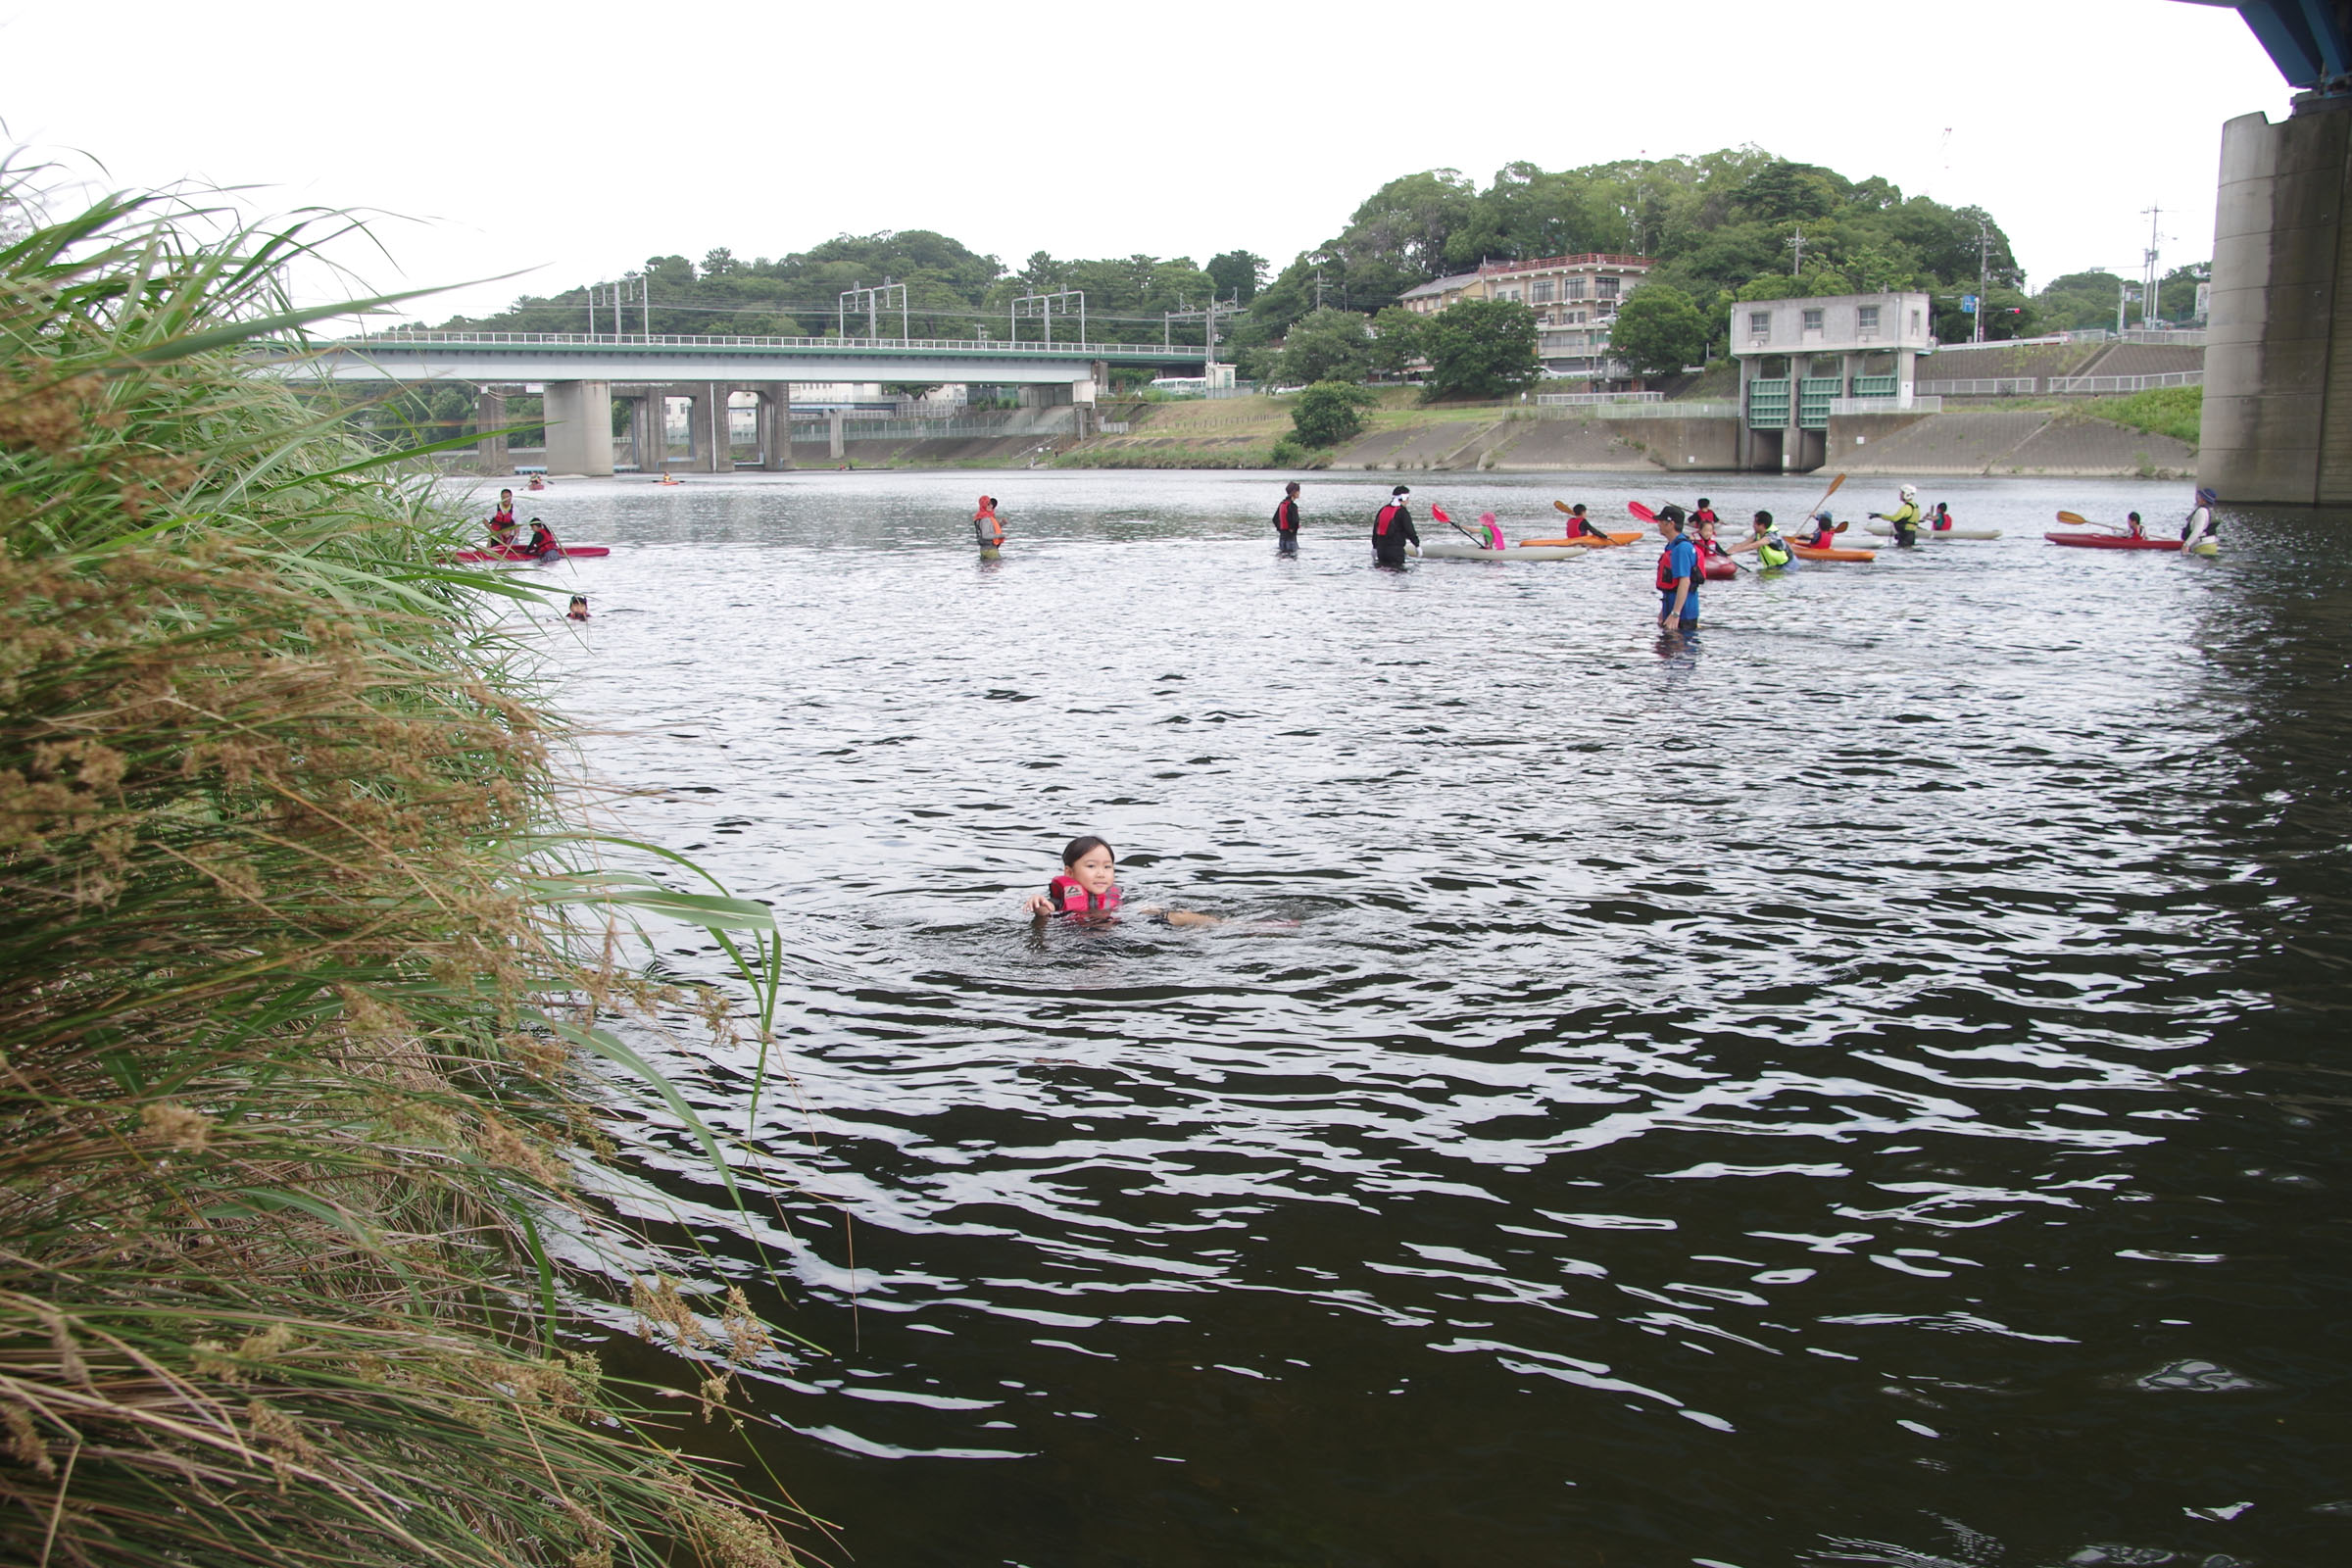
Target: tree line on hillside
[[1719, 229]]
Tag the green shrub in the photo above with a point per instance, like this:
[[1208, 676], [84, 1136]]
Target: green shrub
[[1329, 412], [298, 994]]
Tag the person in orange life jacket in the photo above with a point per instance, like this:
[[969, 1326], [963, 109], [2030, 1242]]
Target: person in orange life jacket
[[1089, 885], [1677, 575], [1393, 528], [1286, 518], [2140, 530], [543, 540], [1581, 526], [1943, 518], [986, 527], [1824, 532], [1494, 539]]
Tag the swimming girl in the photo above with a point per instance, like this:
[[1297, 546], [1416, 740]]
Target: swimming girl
[[1088, 885], [579, 610]]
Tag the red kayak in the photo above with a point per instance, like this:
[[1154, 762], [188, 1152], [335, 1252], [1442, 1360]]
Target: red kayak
[[1720, 570], [518, 553], [2110, 540]]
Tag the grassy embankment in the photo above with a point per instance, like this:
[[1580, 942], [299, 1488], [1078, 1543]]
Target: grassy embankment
[[1240, 432], [302, 1005], [2173, 410]]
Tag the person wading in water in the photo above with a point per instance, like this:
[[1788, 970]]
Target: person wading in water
[[1393, 528], [1286, 518]]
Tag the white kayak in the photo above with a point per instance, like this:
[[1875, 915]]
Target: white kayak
[[1463, 550], [1885, 530]]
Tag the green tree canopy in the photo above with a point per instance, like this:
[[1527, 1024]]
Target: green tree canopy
[[1399, 339], [1658, 330], [1482, 348], [1327, 345], [1329, 412], [1238, 274]]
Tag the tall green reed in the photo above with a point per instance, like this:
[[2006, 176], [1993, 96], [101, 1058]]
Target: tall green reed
[[297, 986]]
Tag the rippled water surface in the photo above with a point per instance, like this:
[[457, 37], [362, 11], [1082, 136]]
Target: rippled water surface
[[1864, 1086]]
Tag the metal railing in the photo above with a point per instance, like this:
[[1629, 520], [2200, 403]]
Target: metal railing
[[640, 340], [1689, 409], [1982, 386], [1585, 399], [1896, 404], [2126, 383]]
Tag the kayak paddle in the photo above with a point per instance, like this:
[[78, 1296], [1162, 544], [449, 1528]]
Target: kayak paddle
[[2076, 520], [1439, 513]]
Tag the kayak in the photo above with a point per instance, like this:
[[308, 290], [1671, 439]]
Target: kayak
[[1446, 549], [1588, 542], [2110, 540], [2204, 546], [1719, 569], [1883, 530], [518, 553], [1808, 552]]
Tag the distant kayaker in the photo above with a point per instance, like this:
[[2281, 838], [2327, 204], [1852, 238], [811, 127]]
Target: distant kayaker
[[579, 610], [1286, 520], [1677, 575], [538, 482], [1943, 518], [1089, 888], [2201, 524], [1904, 518], [987, 529], [1824, 533], [1393, 528], [1581, 526], [668, 477], [2140, 530]]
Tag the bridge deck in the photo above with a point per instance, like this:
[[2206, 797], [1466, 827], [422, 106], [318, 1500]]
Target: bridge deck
[[635, 357]]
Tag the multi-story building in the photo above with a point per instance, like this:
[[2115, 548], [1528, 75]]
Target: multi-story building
[[1575, 299], [1801, 359]]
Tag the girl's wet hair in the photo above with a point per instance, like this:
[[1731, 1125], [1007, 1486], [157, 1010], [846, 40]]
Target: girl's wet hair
[[1078, 848]]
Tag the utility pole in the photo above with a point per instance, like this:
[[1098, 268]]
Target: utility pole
[[2147, 296], [874, 301], [1983, 274], [1797, 268], [1045, 307]]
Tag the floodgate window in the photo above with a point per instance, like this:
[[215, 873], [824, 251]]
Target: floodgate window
[[1759, 324], [1866, 317], [1813, 320]]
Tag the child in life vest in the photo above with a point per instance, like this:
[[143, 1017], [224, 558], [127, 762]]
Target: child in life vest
[[987, 530], [1089, 885], [579, 610], [1493, 533]]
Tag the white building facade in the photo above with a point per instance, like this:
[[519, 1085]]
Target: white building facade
[[1800, 357]]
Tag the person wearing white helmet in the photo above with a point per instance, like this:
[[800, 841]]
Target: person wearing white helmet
[[1904, 520]]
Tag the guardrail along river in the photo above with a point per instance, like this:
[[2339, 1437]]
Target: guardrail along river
[[1868, 1086]]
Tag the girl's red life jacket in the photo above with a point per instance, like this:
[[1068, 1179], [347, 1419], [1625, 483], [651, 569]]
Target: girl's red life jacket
[[1705, 514], [1070, 897]]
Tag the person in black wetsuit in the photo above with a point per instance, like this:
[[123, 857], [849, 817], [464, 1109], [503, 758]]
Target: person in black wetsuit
[[1286, 520], [1393, 528]]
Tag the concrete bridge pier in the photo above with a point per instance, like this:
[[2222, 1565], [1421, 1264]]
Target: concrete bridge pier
[[2277, 419], [490, 415], [775, 425], [835, 447], [649, 429], [579, 427], [713, 438]]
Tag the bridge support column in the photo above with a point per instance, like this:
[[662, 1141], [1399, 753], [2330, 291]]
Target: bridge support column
[[2278, 420], [648, 430], [579, 427], [835, 447], [775, 426], [490, 415], [713, 435]]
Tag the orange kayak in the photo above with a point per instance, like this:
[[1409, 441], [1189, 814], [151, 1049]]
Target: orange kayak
[[1808, 552], [1588, 541]]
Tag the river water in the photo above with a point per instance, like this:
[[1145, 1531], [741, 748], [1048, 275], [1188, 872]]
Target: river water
[[1865, 1085]]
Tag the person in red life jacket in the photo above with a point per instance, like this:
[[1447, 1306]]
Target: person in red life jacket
[[1494, 539], [1677, 575], [1824, 532], [1089, 887], [502, 521], [1702, 532], [1704, 514], [1943, 518], [538, 482], [579, 610], [986, 526], [542, 541], [2140, 530], [1581, 526], [1393, 529], [1286, 518]]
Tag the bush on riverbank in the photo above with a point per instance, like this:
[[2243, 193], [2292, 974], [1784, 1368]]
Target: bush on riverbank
[[294, 1100], [2173, 411]]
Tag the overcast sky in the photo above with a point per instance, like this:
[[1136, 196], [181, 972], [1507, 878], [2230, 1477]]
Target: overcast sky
[[569, 142]]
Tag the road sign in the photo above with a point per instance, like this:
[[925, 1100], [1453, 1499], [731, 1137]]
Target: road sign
[[1968, 304]]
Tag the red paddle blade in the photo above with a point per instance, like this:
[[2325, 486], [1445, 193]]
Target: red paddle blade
[[1439, 513], [1640, 512]]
